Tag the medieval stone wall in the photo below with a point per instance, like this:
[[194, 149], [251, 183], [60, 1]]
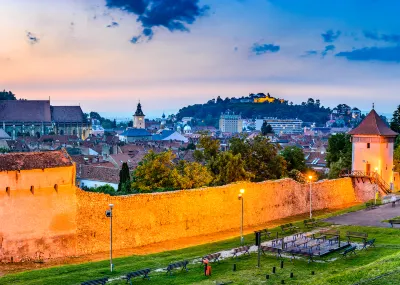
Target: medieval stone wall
[[37, 214], [148, 218]]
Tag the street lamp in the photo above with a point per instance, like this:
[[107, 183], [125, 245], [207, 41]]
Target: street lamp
[[109, 215], [310, 178], [376, 186], [240, 197]]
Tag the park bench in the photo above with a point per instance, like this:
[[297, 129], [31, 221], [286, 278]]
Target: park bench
[[370, 205], [310, 223], [101, 281], [394, 222], [369, 243], [348, 251], [265, 233], [278, 251], [181, 264], [242, 249], [138, 273], [362, 236], [289, 228], [213, 257], [333, 234]]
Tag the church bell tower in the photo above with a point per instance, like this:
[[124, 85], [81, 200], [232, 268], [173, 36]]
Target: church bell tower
[[138, 118]]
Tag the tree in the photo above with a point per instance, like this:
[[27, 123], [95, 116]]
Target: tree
[[106, 189], [294, 157], [219, 100], [114, 125], [3, 150], [266, 129], [260, 156], [336, 167], [124, 179], [227, 168], [158, 171], [7, 95], [154, 172], [209, 148], [396, 159], [395, 123], [339, 146], [191, 175]]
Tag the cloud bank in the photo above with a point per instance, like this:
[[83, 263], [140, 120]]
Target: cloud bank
[[174, 15]]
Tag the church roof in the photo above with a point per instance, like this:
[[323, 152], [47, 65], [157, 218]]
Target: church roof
[[373, 125], [70, 114], [35, 111], [34, 160], [139, 111]]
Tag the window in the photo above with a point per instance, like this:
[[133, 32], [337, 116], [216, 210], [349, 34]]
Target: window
[[368, 145]]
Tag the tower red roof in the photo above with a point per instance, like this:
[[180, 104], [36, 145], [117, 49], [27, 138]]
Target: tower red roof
[[373, 125]]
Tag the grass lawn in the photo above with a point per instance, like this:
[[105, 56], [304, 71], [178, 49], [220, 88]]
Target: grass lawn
[[367, 264]]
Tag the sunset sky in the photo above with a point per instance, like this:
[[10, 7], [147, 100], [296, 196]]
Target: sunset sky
[[106, 55]]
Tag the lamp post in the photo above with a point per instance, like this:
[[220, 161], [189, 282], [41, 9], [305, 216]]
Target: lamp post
[[376, 186], [240, 197], [310, 178], [109, 215]]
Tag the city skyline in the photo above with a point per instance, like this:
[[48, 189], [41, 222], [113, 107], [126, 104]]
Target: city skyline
[[106, 55]]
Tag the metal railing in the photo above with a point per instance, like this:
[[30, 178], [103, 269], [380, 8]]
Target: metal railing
[[373, 176]]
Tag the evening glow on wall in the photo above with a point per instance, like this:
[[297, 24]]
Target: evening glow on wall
[[106, 55]]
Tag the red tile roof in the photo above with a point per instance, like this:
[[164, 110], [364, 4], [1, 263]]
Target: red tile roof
[[373, 125], [98, 173], [34, 160]]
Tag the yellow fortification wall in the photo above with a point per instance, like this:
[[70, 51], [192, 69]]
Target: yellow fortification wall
[[148, 218], [38, 222]]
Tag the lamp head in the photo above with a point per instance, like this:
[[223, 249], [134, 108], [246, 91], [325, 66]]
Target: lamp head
[[111, 205], [310, 177], [376, 169], [241, 191], [240, 196]]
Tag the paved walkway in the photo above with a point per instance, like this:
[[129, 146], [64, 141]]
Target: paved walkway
[[372, 217]]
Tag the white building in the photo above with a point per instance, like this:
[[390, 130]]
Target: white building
[[282, 126], [373, 143], [230, 123]]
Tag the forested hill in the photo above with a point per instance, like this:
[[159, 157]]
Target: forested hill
[[208, 114]]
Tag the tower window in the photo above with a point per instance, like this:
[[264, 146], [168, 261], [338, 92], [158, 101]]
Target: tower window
[[368, 145]]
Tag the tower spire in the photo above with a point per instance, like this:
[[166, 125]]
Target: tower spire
[[373, 106]]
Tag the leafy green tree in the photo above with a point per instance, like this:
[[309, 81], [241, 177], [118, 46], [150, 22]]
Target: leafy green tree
[[266, 129], [209, 148], [395, 123], [154, 172], [294, 157], [260, 156], [396, 159], [7, 95], [339, 147], [191, 175], [227, 168], [157, 171], [106, 189], [124, 179], [336, 167], [3, 150], [297, 176]]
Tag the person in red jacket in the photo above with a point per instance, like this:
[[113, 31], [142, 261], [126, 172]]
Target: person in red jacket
[[207, 267]]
